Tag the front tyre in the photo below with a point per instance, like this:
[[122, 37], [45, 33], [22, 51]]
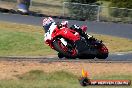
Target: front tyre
[[68, 50], [60, 55]]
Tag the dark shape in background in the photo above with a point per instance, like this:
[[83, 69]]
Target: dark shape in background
[[23, 5]]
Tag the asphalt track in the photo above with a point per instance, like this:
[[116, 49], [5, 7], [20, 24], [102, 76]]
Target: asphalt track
[[120, 30], [55, 59]]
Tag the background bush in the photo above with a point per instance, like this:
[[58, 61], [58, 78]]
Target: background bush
[[83, 1], [115, 12]]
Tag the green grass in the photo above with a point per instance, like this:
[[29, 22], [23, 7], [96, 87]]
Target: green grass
[[20, 43], [59, 79], [26, 40], [39, 79], [17, 42]]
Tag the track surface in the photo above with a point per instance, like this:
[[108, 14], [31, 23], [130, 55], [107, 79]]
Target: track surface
[[120, 30], [56, 59]]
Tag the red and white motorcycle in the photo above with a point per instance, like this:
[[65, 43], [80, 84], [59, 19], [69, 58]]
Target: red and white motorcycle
[[70, 44]]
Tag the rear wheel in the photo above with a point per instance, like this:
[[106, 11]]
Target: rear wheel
[[102, 56], [103, 52], [68, 50]]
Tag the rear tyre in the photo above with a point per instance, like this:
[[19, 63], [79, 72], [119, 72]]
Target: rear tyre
[[103, 52], [102, 56], [65, 51]]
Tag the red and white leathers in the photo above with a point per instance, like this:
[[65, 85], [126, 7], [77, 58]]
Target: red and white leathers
[[47, 35], [49, 25]]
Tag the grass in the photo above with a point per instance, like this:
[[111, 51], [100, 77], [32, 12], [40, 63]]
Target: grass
[[58, 79], [22, 40], [39, 79], [27, 40]]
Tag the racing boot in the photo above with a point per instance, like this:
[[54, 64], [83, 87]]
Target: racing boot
[[82, 32]]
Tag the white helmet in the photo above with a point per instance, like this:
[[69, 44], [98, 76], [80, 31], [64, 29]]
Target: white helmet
[[47, 23]]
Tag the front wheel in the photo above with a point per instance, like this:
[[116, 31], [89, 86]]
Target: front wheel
[[68, 50]]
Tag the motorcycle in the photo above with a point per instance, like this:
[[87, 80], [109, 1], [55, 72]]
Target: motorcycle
[[70, 44]]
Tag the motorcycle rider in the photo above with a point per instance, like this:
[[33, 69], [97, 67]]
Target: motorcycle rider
[[47, 22]]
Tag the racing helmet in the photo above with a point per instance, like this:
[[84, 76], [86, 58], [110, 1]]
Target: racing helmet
[[47, 23]]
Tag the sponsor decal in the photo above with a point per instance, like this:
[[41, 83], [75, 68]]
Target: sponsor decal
[[86, 81]]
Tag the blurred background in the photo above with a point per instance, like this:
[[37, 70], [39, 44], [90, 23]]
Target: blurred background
[[92, 10]]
